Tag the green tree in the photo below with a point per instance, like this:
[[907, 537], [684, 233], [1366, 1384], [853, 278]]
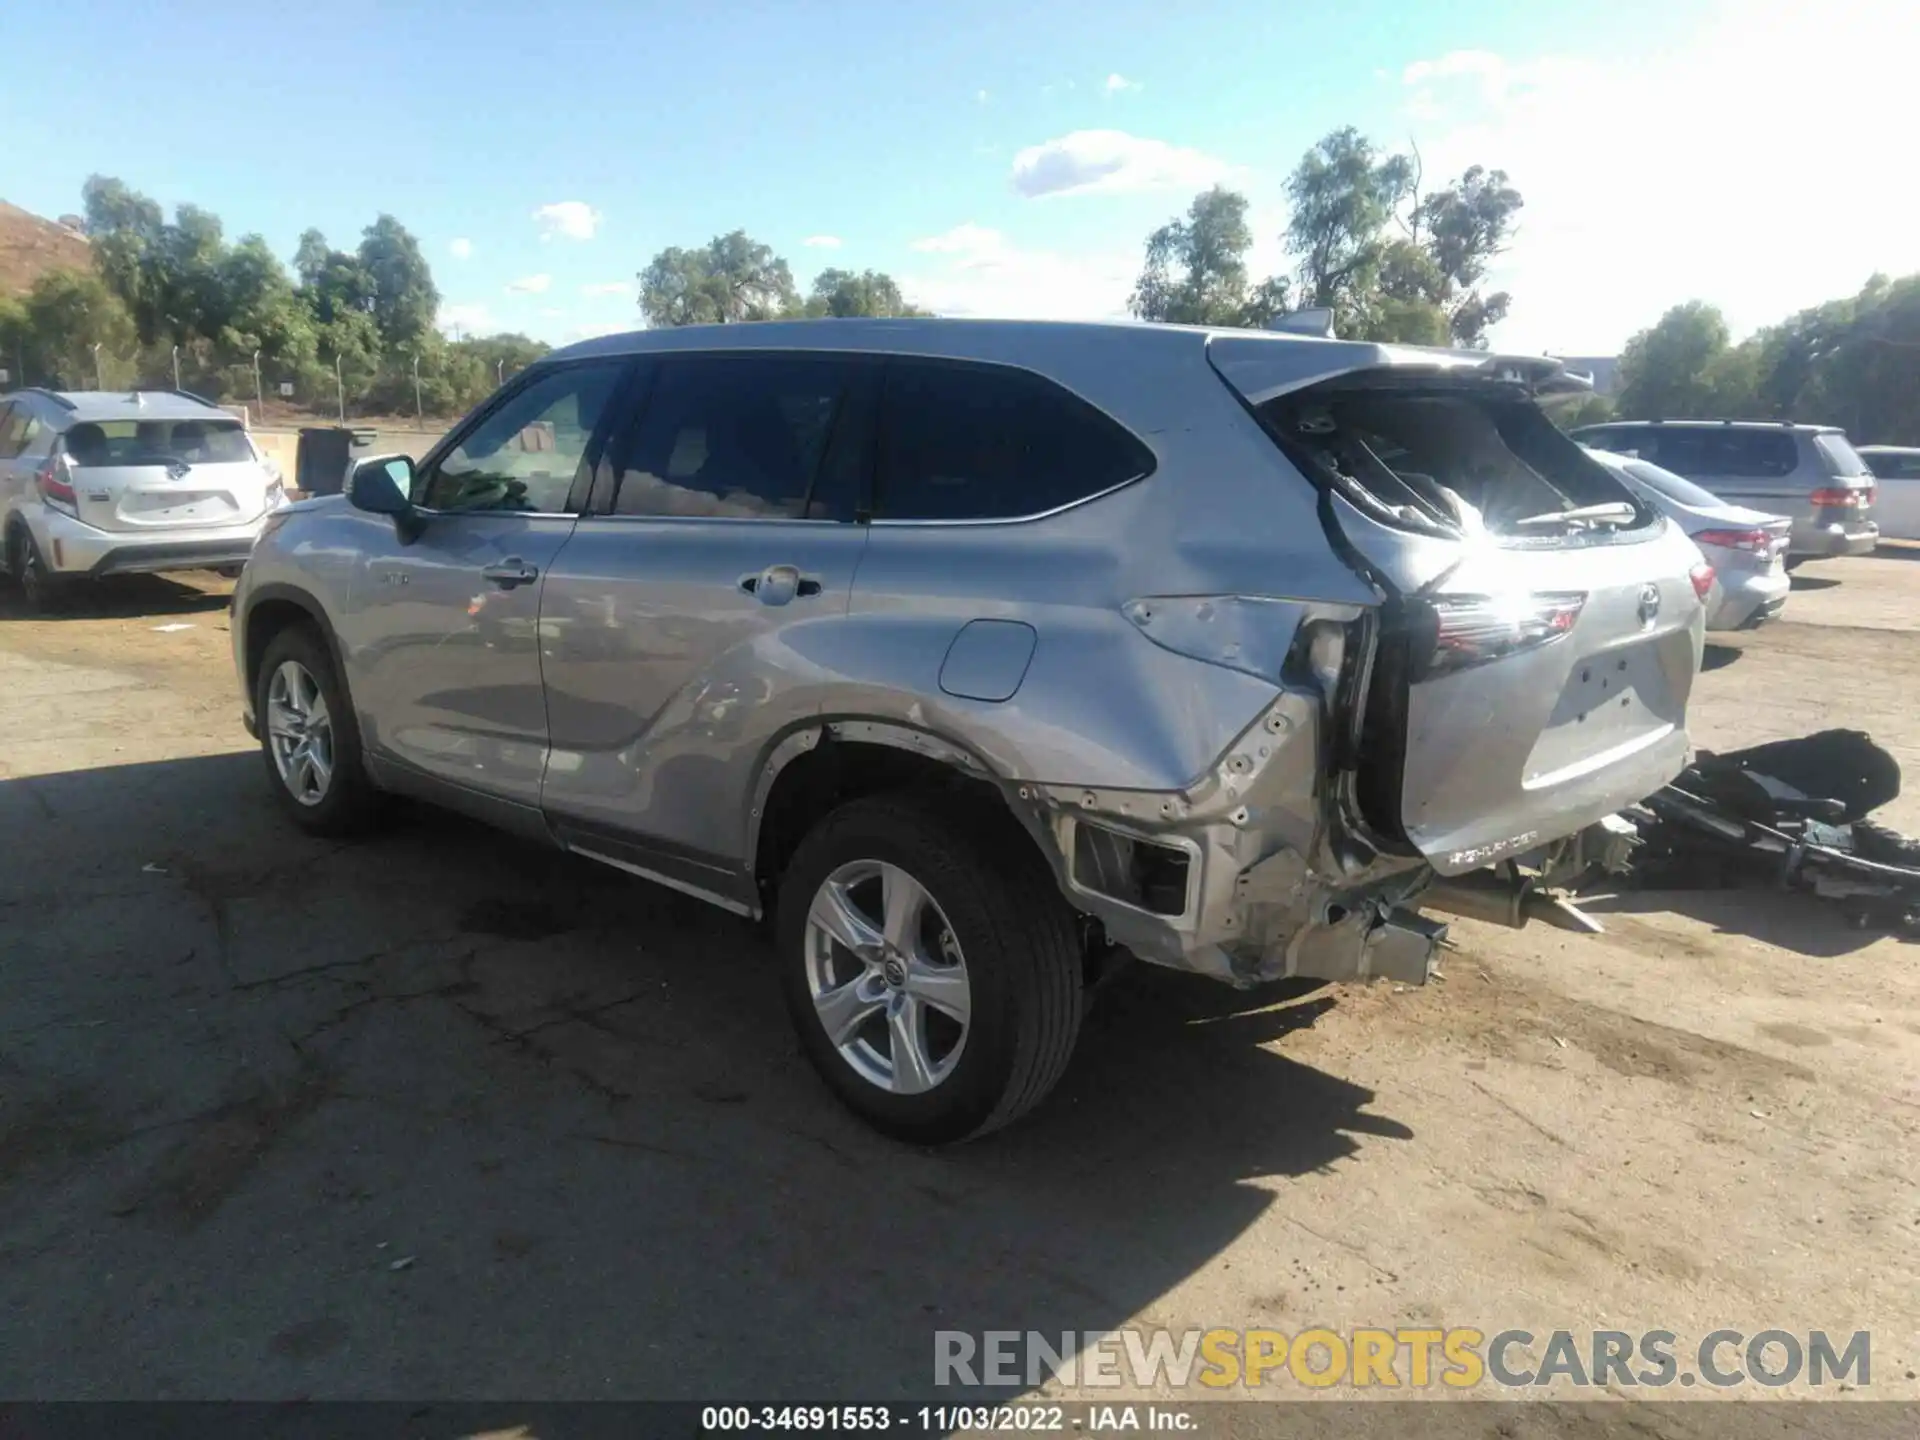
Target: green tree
[[1196, 268], [67, 314], [1461, 229], [1587, 410], [1685, 367], [400, 285], [125, 228], [840, 294], [731, 278], [1343, 193]]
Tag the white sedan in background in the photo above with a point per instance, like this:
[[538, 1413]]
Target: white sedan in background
[[1896, 468], [1746, 548]]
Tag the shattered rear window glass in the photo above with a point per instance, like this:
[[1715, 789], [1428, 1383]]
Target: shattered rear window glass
[[1443, 457]]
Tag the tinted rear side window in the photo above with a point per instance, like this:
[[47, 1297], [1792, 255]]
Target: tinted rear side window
[[742, 437], [1699, 452], [984, 442], [1840, 457]]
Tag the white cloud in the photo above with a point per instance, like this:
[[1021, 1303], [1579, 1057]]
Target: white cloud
[[1489, 67], [982, 273], [1090, 162], [472, 319], [548, 312], [1116, 83], [1671, 174], [608, 287], [567, 220], [461, 249], [822, 242], [530, 285], [980, 97], [967, 239]]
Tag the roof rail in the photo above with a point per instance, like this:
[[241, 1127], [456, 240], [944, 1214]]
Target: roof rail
[[54, 395]]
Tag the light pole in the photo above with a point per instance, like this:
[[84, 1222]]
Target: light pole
[[98, 382], [419, 410], [176, 367], [259, 391], [340, 387], [500, 371]]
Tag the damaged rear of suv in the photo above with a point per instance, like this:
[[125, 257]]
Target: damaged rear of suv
[[973, 654], [1460, 742]]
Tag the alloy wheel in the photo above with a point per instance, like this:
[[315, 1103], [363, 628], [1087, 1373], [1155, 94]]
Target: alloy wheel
[[300, 733], [887, 978]]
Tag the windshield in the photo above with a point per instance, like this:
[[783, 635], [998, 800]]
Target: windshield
[[95, 443], [1672, 486], [1841, 457]]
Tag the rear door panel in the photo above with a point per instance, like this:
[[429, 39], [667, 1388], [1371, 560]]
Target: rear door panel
[[1526, 748]]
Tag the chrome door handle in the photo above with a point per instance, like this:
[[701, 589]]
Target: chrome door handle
[[511, 572], [778, 584]]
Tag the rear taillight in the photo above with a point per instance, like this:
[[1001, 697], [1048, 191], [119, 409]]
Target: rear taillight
[[54, 487], [1759, 542], [1473, 629], [1840, 496], [1702, 578]]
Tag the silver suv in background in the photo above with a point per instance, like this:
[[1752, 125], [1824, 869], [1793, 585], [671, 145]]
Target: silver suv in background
[[973, 655], [112, 483], [1808, 473]]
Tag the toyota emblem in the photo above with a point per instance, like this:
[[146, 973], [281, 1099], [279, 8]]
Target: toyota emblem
[[1649, 604]]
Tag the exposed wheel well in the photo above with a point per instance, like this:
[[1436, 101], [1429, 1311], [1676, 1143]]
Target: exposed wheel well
[[267, 619], [836, 771]]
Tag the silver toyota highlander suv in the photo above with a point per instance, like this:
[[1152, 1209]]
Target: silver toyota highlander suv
[[974, 655]]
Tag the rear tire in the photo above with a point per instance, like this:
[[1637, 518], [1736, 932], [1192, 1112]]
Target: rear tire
[[41, 589], [309, 739], [991, 913]]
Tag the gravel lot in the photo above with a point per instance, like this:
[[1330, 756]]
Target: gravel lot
[[244, 1076]]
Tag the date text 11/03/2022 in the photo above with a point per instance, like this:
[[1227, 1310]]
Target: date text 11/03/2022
[[944, 1419]]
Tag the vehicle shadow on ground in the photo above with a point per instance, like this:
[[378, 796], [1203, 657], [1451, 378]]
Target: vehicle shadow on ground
[[541, 1129], [1803, 581], [122, 597], [1803, 924], [1718, 657]]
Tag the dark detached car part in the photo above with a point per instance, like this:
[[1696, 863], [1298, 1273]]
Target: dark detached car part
[[1789, 815]]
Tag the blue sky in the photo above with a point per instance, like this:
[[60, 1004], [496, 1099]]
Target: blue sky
[[997, 158]]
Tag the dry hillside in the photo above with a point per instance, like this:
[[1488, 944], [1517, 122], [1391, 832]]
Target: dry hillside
[[30, 247]]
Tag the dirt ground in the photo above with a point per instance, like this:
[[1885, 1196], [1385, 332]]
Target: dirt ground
[[245, 1076]]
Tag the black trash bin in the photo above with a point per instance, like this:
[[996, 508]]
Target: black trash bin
[[322, 461]]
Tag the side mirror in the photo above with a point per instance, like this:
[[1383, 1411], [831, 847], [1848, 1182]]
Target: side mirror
[[382, 485]]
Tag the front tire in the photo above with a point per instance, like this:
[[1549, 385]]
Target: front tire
[[309, 738], [930, 966]]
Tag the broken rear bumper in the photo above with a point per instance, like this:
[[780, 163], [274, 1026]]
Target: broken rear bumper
[[1243, 876]]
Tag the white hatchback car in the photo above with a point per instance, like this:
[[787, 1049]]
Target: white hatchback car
[[97, 483]]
